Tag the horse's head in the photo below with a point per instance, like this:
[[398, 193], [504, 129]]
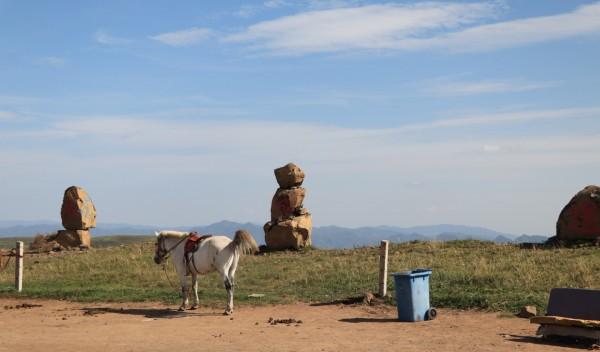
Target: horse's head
[[160, 251]]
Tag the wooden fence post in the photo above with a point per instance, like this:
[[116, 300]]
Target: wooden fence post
[[383, 268], [19, 267]]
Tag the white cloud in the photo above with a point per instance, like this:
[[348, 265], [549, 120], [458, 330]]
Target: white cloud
[[331, 4], [366, 27], [52, 61], [22, 100], [274, 4], [156, 129], [582, 21], [463, 88], [505, 117], [103, 37], [160, 132], [200, 164], [7, 116], [423, 26], [490, 148], [184, 37], [246, 11]]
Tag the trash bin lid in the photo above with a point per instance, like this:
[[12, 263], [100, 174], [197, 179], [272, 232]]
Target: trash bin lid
[[413, 273]]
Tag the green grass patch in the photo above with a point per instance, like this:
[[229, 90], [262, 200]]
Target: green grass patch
[[466, 274]]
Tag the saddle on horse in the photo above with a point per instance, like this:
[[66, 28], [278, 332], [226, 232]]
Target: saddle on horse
[[191, 246]]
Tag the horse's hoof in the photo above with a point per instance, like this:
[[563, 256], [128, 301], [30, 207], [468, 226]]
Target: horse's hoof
[[194, 308], [181, 309], [228, 312]]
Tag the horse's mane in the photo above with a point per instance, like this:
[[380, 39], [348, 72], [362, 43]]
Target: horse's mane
[[172, 234]]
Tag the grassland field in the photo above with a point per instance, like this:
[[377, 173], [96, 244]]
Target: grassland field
[[466, 274]]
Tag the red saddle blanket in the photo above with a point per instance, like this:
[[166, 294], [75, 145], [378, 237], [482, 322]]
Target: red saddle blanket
[[193, 241]]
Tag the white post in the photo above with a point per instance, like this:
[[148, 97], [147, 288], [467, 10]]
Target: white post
[[19, 267], [383, 268]]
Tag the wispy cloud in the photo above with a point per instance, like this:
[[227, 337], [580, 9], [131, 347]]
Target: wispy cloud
[[331, 4], [16, 100], [462, 88], [491, 148], [166, 153], [366, 27], [103, 37], [275, 4], [584, 20], [423, 26], [507, 117], [52, 61], [7, 116], [184, 37], [246, 11], [156, 129]]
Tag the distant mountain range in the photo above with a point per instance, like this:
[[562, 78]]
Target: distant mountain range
[[323, 237]]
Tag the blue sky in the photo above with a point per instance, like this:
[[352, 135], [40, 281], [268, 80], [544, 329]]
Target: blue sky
[[401, 112]]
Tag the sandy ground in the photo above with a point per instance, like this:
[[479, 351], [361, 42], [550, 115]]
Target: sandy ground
[[67, 326]]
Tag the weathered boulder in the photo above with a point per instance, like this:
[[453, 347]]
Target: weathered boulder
[[580, 218], [287, 202], [289, 176], [77, 211], [293, 233]]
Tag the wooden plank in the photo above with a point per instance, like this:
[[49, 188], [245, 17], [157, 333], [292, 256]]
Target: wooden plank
[[564, 321]]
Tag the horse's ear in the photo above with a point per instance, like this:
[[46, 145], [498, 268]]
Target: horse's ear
[[156, 234]]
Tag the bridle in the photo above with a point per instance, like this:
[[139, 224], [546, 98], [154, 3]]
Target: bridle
[[164, 253]]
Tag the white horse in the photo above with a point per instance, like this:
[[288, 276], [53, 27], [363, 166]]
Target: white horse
[[214, 253]]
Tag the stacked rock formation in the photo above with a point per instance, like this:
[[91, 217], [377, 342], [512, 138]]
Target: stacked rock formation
[[580, 218], [291, 224]]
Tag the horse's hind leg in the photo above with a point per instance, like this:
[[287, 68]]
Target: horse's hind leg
[[229, 287], [195, 290]]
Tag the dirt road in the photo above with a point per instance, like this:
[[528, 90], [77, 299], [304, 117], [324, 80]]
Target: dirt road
[[66, 326]]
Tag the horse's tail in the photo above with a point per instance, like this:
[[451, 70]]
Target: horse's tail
[[244, 242]]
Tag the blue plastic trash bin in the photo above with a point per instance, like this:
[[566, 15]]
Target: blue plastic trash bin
[[412, 295]]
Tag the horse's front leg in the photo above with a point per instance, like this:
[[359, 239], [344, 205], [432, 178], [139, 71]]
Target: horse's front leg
[[195, 290], [184, 295]]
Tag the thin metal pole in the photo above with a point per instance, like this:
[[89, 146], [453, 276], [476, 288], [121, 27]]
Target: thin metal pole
[[19, 267], [383, 267]]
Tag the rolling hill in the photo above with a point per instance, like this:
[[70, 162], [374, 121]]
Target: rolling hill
[[323, 237]]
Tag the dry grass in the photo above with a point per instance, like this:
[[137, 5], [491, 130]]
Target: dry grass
[[466, 274]]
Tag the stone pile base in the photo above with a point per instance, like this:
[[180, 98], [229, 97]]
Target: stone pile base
[[63, 239]]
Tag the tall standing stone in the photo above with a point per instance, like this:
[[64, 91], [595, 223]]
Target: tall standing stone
[[77, 211], [78, 215]]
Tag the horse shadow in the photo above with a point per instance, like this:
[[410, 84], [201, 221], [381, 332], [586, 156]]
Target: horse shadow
[[151, 313], [576, 343]]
